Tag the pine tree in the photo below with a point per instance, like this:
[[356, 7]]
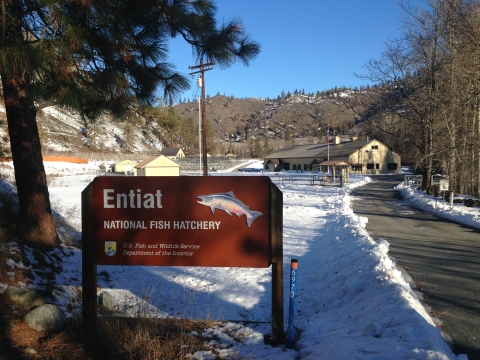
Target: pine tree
[[128, 135], [257, 148], [211, 145], [168, 123], [188, 131], [94, 57]]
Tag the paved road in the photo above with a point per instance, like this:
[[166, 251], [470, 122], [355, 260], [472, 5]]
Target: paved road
[[441, 256]]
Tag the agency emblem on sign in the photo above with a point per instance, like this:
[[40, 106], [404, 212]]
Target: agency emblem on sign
[[110, 248]]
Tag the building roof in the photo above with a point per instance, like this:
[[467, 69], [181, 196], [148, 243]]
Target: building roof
[[322, 151], [170, 151], [159, 161], [145, 161], [126, 162], [335, 163], [275, 161]]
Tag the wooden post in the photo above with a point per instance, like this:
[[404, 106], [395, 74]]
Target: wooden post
[[89, 267], [276, 223], [203, 112]]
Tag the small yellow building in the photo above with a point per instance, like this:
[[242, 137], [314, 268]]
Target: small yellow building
[[125, 166], [158, 166]]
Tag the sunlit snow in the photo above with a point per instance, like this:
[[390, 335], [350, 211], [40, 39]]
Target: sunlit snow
[[352, 301]]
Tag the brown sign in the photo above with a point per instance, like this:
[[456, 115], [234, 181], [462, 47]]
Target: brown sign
[[182, 221]]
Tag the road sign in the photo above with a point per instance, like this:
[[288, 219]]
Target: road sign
[[443, 185]]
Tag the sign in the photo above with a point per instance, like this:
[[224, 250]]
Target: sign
[[181, 221], [443, 185]]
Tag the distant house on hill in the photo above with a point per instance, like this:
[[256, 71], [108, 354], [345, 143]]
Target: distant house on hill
[[357, 157], [173, 153], [157, 166]]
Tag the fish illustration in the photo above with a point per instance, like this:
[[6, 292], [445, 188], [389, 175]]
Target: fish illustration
[[230, 204]]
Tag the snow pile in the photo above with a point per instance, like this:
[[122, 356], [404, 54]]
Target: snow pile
[[458, 213], [352, 301]]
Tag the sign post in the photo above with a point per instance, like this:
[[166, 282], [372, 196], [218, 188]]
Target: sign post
[[182, 221], [443, 187], [276, 225], [293, 289]]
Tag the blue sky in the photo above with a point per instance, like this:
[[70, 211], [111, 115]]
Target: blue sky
[[306, 44]]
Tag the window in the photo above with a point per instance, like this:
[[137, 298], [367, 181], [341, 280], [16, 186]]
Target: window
[[306, 167], [370, 166], [392, 166], [356, 167], [377, 166], [374, 147], [294, 166]]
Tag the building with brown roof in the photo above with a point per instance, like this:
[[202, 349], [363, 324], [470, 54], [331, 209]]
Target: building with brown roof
[[358, 157]]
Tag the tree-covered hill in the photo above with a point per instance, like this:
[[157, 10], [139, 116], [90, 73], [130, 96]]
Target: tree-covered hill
[[234, 125]]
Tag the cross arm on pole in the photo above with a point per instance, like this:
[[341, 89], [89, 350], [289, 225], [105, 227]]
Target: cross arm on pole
[[201, 66]]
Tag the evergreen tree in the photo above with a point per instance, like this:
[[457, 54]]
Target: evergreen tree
[[266, 148], [188, 131], [251, 148], [128, 135], [288, 135], [168, 123], [93, 57], [257, 148], [211, 145]]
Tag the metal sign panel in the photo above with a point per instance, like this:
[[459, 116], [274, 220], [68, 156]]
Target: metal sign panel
[[182, 221], [443, 185]]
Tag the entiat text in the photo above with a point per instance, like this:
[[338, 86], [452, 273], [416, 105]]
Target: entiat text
[[132, 200]]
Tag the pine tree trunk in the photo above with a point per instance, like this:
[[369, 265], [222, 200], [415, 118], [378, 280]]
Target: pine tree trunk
[[36, 215], [476, 149]]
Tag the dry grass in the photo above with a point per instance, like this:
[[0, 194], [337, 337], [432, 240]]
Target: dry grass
[[115, 337]]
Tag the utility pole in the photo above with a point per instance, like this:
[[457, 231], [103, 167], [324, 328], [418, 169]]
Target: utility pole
[[202, 68], [328, 143]]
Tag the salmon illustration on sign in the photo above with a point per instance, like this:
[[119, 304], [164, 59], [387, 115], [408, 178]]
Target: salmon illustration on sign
[[230, 204]]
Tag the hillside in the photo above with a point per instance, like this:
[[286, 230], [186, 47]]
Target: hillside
[[305, 118], [64, 132], [297, 119]]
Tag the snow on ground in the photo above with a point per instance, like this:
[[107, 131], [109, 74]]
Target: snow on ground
[[459, 213], [352, 301]]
